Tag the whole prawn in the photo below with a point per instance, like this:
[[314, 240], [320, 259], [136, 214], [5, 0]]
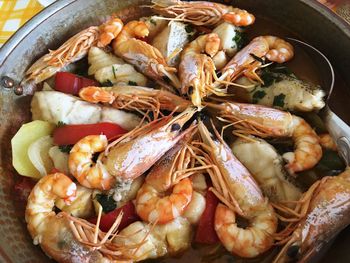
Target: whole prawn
[[66, 238], [241, 195], [197, 69], [245, 61], [72, 50], [146, 58], [135, 98], [202, 13], [152, 203], [127, 157], [322, 212], [265, 122]]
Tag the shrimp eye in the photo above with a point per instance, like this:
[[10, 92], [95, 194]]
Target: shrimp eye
[[175, 127], [293, 251], [190, 90]]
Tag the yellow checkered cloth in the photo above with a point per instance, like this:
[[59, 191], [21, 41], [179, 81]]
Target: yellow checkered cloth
[[13, 14]]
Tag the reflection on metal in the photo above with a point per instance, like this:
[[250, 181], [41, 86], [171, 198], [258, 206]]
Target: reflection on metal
[[325, 66], [7, 82], [344, 148]]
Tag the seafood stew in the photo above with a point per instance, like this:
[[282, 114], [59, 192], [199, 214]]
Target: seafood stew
[[144, 156]]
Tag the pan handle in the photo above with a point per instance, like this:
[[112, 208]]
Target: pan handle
[[340, 132]]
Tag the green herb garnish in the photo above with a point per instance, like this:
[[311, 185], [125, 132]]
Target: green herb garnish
[[331, 161], [132, 83], [283, 70], [65, 148], [153, 22], [114, 72], [268, 78], [189, 29], [107, 202], [278, 101], [239, 39], [107, 83], [258, 95], [60, 124]]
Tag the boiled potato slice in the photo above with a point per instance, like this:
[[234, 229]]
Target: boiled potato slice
[[26, 135]]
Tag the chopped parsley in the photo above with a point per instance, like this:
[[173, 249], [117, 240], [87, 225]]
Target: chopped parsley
[[107, 83], [132, 83], [114, 72], [239, 39], [65, 148], [273, 74], [268, 78], [189, 29], [60, 124], [258, 95], [278, 101], [153, 22], [107, 202]]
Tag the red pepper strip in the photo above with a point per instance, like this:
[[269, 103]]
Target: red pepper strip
[[71, 134], [206, 233], [107, 220], [70, 83]]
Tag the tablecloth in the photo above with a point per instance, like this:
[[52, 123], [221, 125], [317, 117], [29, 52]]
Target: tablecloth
[[14, 13]]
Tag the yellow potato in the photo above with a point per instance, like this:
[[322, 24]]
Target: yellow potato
[[26, 135]]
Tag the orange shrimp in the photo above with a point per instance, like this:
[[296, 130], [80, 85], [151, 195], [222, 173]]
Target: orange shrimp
[[237, 189], [327, 142], [134, 153], [265, 122], [244, 62], [82, 167], [127, 157], [322, 212], [202, 13], [66, 238], [152, 203], [146, 58], [72, 50], [109, 31], [197, 69], [135, 98]]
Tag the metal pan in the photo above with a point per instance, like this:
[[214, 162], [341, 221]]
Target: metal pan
[[309, 21]]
